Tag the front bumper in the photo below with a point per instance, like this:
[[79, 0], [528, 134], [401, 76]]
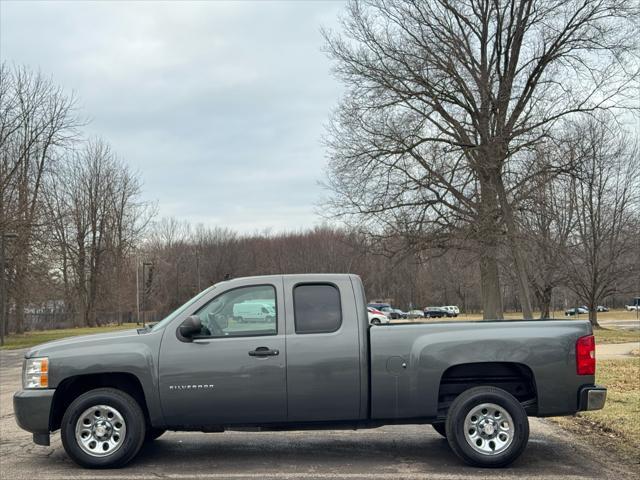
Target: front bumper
[[592, 398], [32, 409]]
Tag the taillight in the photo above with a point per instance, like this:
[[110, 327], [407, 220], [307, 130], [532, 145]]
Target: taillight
[[586, 355]]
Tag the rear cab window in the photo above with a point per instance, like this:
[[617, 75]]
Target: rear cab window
[[317, 308]]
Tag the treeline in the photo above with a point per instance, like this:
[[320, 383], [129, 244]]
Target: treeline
[[185, 260]]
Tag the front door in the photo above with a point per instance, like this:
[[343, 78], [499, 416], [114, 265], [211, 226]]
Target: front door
[[235, 371]]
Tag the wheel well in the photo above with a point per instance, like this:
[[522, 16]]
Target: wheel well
[[515, 378], [70, 388]]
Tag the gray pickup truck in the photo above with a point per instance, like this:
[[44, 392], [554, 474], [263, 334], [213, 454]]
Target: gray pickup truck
[[312, 361]]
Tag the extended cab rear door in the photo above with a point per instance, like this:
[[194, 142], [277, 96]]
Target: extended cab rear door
[[323, 349]]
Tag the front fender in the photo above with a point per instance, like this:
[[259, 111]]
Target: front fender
[[135, 354]]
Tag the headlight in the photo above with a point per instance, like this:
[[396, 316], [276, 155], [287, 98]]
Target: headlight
[[36, 373]]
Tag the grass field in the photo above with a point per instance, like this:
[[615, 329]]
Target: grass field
[[30, 339], [609, 335], [618, 424], [559, 315]]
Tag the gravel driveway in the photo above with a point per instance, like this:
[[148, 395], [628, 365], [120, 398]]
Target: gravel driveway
[[411, 452]]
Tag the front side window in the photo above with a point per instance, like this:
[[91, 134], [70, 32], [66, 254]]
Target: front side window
[[317, 308], [241, 312]]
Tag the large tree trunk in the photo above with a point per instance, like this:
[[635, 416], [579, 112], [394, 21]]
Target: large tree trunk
[[488, 239], [520, 266], [593, 317], [490, 279], [544, 299]]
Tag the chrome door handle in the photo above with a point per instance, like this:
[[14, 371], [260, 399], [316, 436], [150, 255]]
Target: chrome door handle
[[263, 352]]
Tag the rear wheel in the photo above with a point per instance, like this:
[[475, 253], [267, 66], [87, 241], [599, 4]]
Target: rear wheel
[[375, 321], [487, 427], [103, 428]]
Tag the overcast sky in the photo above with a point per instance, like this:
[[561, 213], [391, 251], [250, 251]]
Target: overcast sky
[[219, 106]]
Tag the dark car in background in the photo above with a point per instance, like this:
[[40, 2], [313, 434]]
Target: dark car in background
[[401, 313], [576, 311], [436, 312]]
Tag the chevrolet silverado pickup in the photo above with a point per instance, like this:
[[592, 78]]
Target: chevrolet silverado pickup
[[314, 362]]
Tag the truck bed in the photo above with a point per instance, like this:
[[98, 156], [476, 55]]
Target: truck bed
[[414, 365]]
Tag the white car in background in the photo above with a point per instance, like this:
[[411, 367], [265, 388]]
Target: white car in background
[[415, 314], [453, 310], [634, 304], [376, 317]]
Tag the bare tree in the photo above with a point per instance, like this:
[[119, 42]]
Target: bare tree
[[546, 219], [446, 98], [37, 120], [97, 218], [606, 194]]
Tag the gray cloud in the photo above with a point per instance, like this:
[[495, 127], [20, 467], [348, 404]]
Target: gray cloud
[[220, 106]]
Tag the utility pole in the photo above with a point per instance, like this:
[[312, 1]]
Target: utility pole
[[144, 290], [3, 283], [137, 290], [198, 269]]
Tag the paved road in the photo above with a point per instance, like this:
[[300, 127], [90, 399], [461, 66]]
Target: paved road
[[629, 324], [616, 350], [411, 452]]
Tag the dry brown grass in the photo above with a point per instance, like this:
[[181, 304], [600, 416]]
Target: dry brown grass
[[618, 423]]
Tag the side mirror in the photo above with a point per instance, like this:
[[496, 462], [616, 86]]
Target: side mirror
[[190, 327]]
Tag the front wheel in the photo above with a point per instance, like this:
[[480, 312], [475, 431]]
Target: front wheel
[[103, 428], [487, 427]]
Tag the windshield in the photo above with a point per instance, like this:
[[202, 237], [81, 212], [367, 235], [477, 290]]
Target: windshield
[[180, 309]]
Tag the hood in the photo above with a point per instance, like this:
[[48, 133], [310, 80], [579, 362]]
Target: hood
[[48, 348]]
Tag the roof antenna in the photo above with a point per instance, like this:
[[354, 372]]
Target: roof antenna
[[227, 276]]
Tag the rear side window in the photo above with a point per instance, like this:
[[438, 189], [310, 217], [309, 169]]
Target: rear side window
[[317, 308]]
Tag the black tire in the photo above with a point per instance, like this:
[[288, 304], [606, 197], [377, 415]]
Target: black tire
[[153, 433], [455, 426], [441, 428], [375, 321], [133, 417]]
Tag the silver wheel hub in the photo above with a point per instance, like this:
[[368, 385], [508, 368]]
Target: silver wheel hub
[[489, 429], [100, 430]]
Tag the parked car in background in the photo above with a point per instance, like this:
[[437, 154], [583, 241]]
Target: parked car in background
[[253, 312], [601, 308], [415, 314], [453, 310], [376, 317], [385, 308], [633, 305], [400, 313], [576, 311], [436, 312]]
